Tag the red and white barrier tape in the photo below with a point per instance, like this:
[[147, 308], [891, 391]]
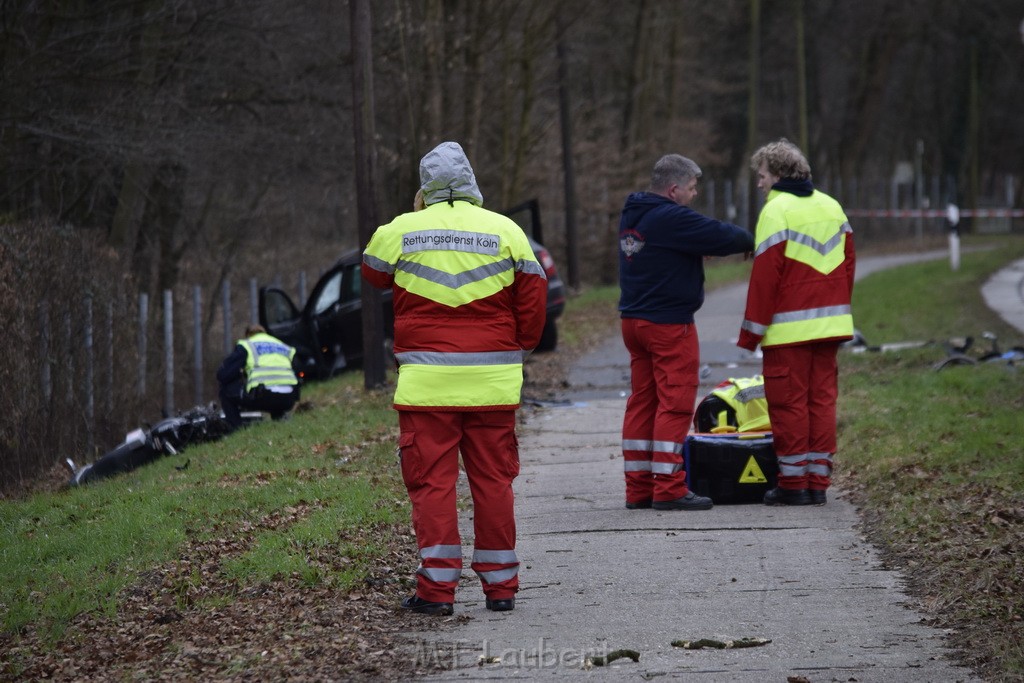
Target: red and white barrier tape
[[934, 213]]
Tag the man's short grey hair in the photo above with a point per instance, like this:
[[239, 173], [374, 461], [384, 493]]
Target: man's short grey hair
[[673, 169]]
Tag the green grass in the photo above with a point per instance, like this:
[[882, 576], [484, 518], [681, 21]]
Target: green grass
[[726, 271], [292, 496], [928, 301], [936, 458]]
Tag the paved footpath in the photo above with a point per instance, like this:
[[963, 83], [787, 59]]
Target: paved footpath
[[597, 578]]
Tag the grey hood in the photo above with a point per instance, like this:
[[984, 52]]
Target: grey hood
[[445, 174]]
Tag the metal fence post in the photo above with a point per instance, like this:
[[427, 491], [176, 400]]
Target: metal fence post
[[226, 305], [109, 353], [254, 315], [168, 353], [730, 205], [197, 340], [90, 396], [143, 321], [46, 375], [69, 356]]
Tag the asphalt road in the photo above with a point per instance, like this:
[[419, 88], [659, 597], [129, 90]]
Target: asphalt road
[[597, 578]]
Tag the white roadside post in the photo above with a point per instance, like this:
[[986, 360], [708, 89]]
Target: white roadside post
[[953, 218]]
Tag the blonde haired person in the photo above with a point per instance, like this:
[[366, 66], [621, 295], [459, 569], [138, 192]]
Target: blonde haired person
[[798, 310]]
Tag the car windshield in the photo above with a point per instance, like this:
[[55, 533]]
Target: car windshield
[[329, 294]]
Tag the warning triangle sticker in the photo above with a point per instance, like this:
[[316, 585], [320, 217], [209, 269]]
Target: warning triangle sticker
[[752, 473]]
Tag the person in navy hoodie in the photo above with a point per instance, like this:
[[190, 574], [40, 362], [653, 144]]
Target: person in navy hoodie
[[662, 246]]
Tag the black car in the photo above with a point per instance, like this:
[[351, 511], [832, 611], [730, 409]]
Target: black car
[[327, 333]]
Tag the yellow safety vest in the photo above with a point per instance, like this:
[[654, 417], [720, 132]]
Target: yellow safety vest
[[268, 362], [745, 395], [452, 255], [814, 230]]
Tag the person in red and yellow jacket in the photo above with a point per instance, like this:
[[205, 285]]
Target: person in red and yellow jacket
[[469, 300], [798, 310]]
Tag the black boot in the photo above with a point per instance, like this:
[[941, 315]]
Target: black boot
[[414, 603], [505, 605], [777, 496]]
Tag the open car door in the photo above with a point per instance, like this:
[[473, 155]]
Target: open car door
[[282, 319]]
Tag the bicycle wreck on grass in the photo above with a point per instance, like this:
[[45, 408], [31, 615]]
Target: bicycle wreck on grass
[[957, 353], [956, 349], [169, 436]]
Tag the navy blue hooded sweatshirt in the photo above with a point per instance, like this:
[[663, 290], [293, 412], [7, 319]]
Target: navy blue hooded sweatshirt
[[661, 257]]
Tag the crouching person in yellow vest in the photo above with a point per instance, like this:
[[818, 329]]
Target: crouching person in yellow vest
[[258, 375]]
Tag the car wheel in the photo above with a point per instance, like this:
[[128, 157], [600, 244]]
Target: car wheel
[[549, 337]]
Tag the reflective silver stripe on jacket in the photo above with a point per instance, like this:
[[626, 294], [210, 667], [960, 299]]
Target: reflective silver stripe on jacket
[[793, 465], [797, 316], [495, 556], [637, 466], [530, 268], [811, 314], [439, 574], [378, 264], [446, 552], [455, 280], [499, 575], [754, 328], [790, 235], [460, 359]]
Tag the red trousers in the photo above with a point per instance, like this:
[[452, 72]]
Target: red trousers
[[429, 445], [664, 363], [801, 384]]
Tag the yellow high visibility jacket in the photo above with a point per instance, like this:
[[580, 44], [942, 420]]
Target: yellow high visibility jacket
[[801, 283], [268, 362], [469, 300]]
